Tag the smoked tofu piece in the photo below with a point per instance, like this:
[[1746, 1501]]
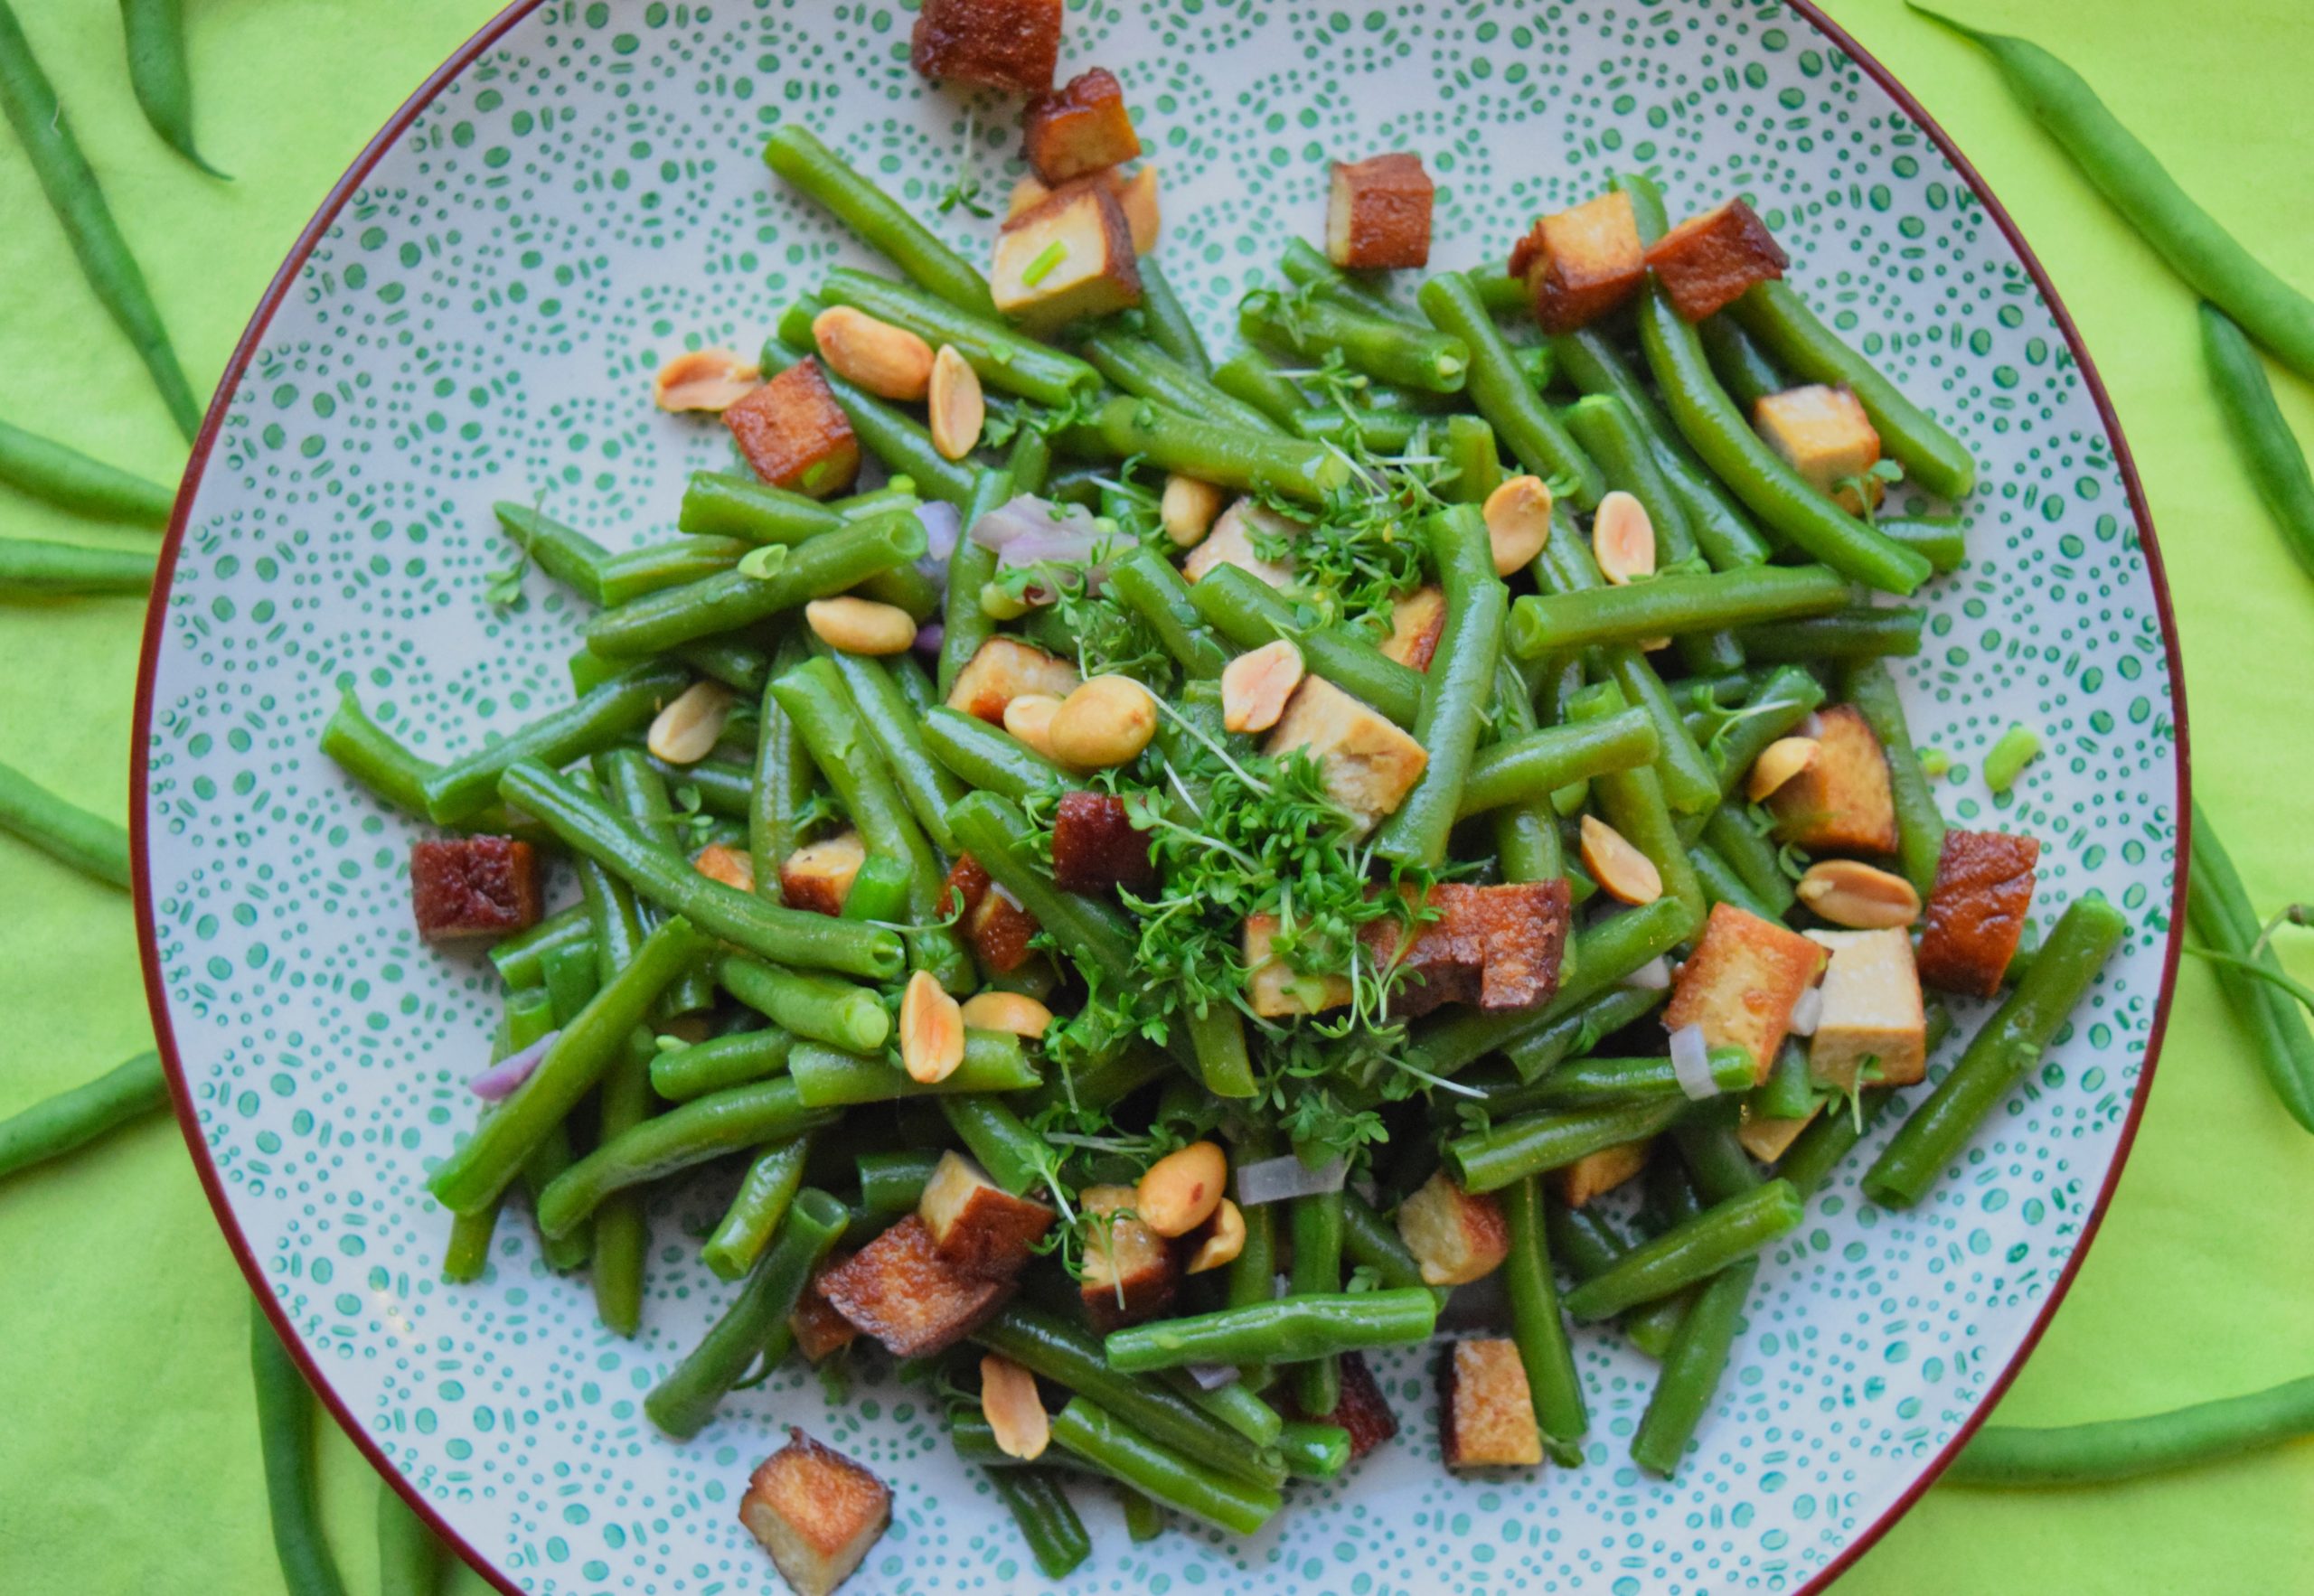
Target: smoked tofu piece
[[463, 888], [1078, 128], [817, 877], [1976, 911], [1070, 257], [1363, 1411], [1596, 1173], [731, 866], [1008, 45], [1377, 215], [1002, 669], [818, 1329], [977, 1225], [902, 1289], [1137, 196], [1871, 1011], [1769, 1139], [1416, 620], [1486, 1417], [998, 928], [1368, 764], [795, 435], [1231, 542], [816, 1512], [1842, 803], [1498, 947], [1706, 262], [1275, 988], [1741, 982], [1579, 265], [1096, 848], [1456, 1237], [1823, 434], [1130, 1270]]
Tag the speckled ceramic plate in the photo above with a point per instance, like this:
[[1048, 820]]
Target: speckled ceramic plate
[[474, 314]]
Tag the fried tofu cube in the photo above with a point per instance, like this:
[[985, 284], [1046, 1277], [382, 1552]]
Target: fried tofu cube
[[1275, 988], [1579, 265], [1070, 257], [816, 1512], [1457, 1237], [1842, 803], [1823, 434], [1137, 197], [1078, 128], [1769, 1139], [1417, 619], [1008, 45], [465, 888], [1486, 1408], [1363, 1412], [818, 1329], [1002, 669], [1741, 982], [795, 435], [1595, 1174], [731, 866], [998, 928], [1498, 947], [1231, 542], [1130, 1270], [1871, 1011], [1976, 911], [1706, 262], [1096, 848], [1377, 214], [817, 877], [902, 1289], [1368, 764], [977, 1225]]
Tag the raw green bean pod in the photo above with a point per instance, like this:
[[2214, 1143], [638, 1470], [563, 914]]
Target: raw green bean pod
[[2006, 1457], [410, 1558], [2246, 400], [74, 1118], [2222, 917], [71, 480], [154, 29], [89, 843], [31, 568], [285, 1430]]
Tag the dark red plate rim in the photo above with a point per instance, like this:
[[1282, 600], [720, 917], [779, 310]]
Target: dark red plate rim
[[148, 941]]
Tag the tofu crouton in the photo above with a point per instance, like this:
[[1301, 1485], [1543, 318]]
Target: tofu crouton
[[977, 1225], [1486, 1408], [1136, 193], [1871, 1011], [998, 928], [1002, 669], [731, 866], [1455, 1237], [1231, 542], [463, 887], [1078, 128], [1275, 988], [795, 435], [1579, 265], [1976, 911], [1070, 257], [1363, 1412], [1130, 1270], [1741, 982], [1595, 1174], [1842, 803], [1368, 764], [1417, 619], [817, 877], [902, 1289], [1823, 434], [1096, 848], [1769, 1139], [816, 1512], [1377, 214], [1498, 947], [1706, 262], [1008, 44], [818, 1329]]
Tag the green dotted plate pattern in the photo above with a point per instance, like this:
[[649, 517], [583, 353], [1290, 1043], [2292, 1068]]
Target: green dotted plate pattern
[[480, 321]]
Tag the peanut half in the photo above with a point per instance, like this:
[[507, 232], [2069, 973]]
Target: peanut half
[[1778, 763], [1187, 508], [859, 625], [1621, 871], [959, 410], [711, 379], [1016, 1012], [890, 362], [1622, 539], [1182, 1189], [687, 730], [1029, 716], [1106, 722], [1014, 1411], [1848, 892], [1224, 1239], [1517, 523], [932, 1030], [1255, 686]]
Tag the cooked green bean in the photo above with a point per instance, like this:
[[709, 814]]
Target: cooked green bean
[[1005, 360], [466, 786], [1672, 604], [1632, 801], [72, 1119], [1829, 1138], [1730, 1230], [1288, 1329], [1920, 827], [761, 1202], [1153, 588], [1015, 1157], [1252, 377], [1304, 264], [1314, 1226], [1456, 691], [1729, 831], [1138, 367], [1942, 540], [66, 179], [1167, 321], [1096, 934], [780, 785], [2223, 918], [1184, 1482], [987, 758], [1314, 327], [631, 780], [897, 729], [1234, 1405], [1314, 1450], [1525, 832], [720, 505], [685, 1136], [1867, 633], [817, 1007], [71, 480], [892, 1183], [1539, 763], [2245, 399], [31, 567], [623, 1100], [681, 1404], [2011, 1042], [2200, 250], [1500, 391], [1226, 456], [731, 1060], [563, 552], [1741, 366], [2005, 1456], [1369, 1242], [1606, 1083], [285, 1430], [1608, 431], [1538, 1328], [89, 843], [1244, 609], [1056, 1536], [637, 572], [1722, 885], [1590, 1244], [829, 1077], [972, 565], [1693, 1362], [1490, 1159], [882, 223], [1773, 710]]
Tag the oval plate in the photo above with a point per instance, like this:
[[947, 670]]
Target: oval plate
[[474, 315]]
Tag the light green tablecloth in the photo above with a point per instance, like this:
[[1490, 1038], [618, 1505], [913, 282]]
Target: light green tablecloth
[[128, 1453]]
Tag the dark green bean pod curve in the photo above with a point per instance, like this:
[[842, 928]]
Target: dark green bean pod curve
[[2246, 400], [2003, 1456]]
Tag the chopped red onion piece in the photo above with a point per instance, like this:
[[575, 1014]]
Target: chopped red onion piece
[[1808, 1011], [1276, 1180], [1691, 1062], [502, 1079], [929, 637], [1654, 976], [942, 526], [1213, 1376]]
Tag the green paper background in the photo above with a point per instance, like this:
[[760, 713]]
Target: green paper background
[[128, 1456]]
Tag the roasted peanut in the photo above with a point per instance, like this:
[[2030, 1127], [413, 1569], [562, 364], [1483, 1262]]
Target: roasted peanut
[[1029, 716], [859, 625], [685, 732], [890, 362], [958, 408], [1848, 892], [711, 379], [1778, 763], [1014, 1411], [1187, 508], [932, 1030], [1622, 539], [1517, 523], [1103, 723], [1181, 1188], [1255, 686], [1016, 1012], [1224, 1239], [1621, 871]]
